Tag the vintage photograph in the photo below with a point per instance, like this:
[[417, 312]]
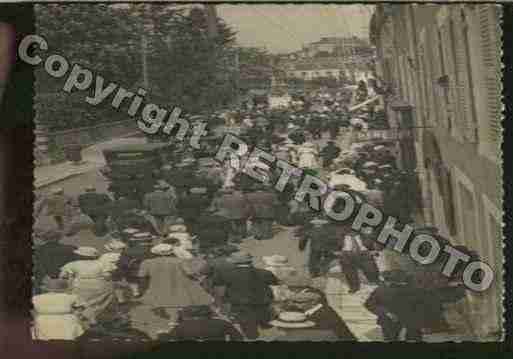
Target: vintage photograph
[[267, 172]]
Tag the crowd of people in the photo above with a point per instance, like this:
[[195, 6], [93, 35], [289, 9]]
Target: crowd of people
[[175, 255]]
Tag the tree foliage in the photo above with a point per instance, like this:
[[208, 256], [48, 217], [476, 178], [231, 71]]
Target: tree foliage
[[186, 67]]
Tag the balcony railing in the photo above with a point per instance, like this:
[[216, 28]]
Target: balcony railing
[[394, 134]]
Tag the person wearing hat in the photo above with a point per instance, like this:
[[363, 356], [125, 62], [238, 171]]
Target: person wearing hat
[[193, 204], [49, 257], [58, 205], [90, 281], [295, 326], [169, 289], [246, 291], [308, 154], [357, 252], [137, 250], [397, 304], [97, 207], [234, 206], [322, 245], [120, 329], [263, 205], [200, 323], [314, 304], [56, 314], [212, 231], [161, 205], [329, 153]]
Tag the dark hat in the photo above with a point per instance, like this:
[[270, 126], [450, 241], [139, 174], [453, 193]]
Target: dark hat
[[241, 258], [396, 276]]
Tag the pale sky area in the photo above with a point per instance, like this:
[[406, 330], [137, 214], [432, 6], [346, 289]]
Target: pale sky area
[[285, 28]]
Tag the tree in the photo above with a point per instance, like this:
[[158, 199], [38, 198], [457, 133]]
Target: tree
[[185, 67]]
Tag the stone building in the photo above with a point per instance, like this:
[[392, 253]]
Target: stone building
[[442, 64]]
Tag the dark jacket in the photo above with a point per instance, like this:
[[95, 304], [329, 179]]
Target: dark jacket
[[212, 231], [94, 203], [192, 205], [203, 329], [232, 205], [323, 238], [50, 257], [245, 285], [409, 304], [263, 204]]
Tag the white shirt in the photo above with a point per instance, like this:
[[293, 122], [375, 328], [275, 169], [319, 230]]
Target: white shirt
[[348, 243]]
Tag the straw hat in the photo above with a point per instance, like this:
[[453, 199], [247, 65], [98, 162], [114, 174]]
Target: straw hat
[[319, 222], [177, 228], [276, 261], [87, 252], [292, 320], [162, 249], [58, 191], [130, 231], [143, 236], [110, 257], [115, 245]]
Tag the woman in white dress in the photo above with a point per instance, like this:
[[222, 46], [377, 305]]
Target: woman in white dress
[[90, 280], [308, 156]]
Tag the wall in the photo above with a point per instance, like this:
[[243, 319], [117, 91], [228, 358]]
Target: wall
[[461, 116]]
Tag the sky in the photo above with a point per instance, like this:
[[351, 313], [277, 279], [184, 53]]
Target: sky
[[285, 28]]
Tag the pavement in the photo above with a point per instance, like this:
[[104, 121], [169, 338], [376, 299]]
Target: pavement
[[92, 159]]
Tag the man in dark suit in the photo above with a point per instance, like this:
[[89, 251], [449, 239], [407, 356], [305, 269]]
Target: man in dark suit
[[234, 206], [199, 323], [323, 244], [247, 291], [50, 256], [192, 205], [96, 206], [314, 304], [264, 204], [212, 231], [398, 304], [358, 252]]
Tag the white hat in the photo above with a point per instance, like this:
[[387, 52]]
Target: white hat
[[378, 148], [130, 231], [319, 222], [292, 320], [144, 236], [87, 252], [57, 190], [110, 257], [115, 245], [177, 228], [276, 261], [162, 249], [369, 164]]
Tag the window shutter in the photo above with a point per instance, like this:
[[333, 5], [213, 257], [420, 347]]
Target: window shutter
[[490, 52], [452, 108], [465, 117]]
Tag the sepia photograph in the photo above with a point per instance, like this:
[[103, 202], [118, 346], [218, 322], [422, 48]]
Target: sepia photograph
[[267, 172]]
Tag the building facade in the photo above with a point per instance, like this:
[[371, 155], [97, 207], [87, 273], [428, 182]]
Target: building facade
[[443, 66]]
